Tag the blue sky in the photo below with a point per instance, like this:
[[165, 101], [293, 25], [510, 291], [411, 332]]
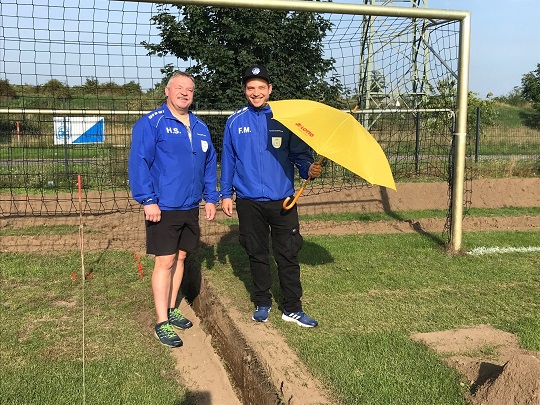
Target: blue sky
[[505, 41]]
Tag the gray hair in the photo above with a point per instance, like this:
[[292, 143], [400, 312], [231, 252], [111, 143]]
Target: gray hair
[[178, 73]]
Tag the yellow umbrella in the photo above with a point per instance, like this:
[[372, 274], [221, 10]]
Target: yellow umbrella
[[336, 135]]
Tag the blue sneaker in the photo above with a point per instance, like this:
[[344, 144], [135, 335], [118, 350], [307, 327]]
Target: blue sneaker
[[261, 314], [178, 320], [167, 336], [301, 318]]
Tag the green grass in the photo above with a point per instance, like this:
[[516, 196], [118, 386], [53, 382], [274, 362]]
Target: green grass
[[512, 116], [42, 333], [42, 230], [404, 215], [419, 214], [371, 292], [506, 168], [60, 152], [511, 134]]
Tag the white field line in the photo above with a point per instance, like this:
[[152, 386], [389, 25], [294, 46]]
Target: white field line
[[483, 250]]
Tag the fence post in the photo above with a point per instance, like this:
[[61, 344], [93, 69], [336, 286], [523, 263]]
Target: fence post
[[417, 144], [477, 135], [66, 162]]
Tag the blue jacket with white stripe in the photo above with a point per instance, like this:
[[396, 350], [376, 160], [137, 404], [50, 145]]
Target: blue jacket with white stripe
[[259, 155], [166, 168]]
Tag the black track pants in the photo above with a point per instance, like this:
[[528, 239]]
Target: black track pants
[[258, 221]]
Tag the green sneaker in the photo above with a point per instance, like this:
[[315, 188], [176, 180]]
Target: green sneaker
[[178, 320], [166, 335]]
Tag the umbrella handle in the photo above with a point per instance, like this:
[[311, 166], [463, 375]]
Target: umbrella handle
[[297, 196]]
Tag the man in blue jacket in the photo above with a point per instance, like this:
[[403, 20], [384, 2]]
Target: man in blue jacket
[[258, 164], [172, 166]]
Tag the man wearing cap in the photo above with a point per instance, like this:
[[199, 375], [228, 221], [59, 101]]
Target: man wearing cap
[[258, 160]]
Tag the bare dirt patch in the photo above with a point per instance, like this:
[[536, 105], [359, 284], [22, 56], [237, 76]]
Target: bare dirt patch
[[125, 231], [491, 362]]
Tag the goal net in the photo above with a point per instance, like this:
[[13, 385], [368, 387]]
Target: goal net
[[76, 75]]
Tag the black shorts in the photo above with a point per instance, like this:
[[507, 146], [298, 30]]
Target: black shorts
[[177, 230]]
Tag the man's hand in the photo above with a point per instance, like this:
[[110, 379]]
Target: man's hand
[[152, 213], [210, 211], [226, 206], [315, 169]]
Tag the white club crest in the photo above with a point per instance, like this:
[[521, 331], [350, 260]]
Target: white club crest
[[204, 146], [276, 141]]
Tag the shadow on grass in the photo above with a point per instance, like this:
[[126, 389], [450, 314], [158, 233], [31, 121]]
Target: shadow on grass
[[385, 200], [530, 118], [228, 250]]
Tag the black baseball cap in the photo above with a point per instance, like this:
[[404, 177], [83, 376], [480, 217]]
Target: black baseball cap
[[255, 71]]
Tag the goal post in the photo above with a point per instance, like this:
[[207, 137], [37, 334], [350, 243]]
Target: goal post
[[458, 175], [456, 229]]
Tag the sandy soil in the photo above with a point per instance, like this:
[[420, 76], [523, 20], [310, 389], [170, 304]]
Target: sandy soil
[[510, 376]]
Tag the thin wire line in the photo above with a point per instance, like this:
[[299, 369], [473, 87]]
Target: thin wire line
[[81, 238]]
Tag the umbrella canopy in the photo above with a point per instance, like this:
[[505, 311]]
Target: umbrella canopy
[[338, 136]]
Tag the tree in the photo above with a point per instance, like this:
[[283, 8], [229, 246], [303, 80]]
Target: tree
[[7, 92], [444, 95], [222, 42], [530, 87], [110, 89], [91, 85], [132, 88], [57, 89]]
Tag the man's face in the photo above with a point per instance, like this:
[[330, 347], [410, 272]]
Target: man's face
[[179, 93], [257, 92]]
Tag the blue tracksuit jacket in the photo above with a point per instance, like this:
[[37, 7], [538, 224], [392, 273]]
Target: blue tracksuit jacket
[[164, 167], [259, 155]]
